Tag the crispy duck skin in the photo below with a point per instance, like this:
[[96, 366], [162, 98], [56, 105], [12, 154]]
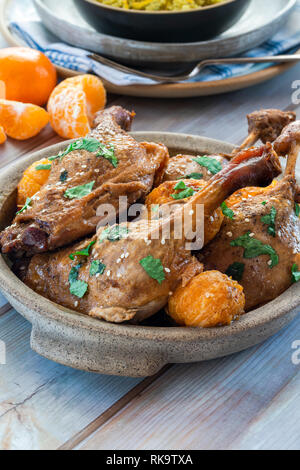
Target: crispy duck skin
[[263, 282], [125, 291], [53, 220], [182, 166], [265, 125]]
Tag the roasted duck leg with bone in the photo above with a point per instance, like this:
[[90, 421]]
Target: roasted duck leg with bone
[[127, 272], [260, 243], [96, 170], [265, 125]]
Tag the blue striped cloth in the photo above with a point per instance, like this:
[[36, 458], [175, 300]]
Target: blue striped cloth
[[36, 36]]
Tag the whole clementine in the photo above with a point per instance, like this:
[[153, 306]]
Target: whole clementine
[[28, 74]]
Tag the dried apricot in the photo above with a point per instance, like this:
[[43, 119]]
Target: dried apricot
[[20, 120], [33, 179], [74, 103], [208, 300]]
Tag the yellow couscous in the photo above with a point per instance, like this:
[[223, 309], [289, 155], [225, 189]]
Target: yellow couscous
[[159, 5]]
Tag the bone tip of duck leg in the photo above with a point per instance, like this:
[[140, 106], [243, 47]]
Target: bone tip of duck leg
[[123, 117]]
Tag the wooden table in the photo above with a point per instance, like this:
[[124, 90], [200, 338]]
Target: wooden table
[[246, 401]]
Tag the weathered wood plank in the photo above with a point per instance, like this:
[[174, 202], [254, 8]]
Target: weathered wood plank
[[43, 404], [208, 405]]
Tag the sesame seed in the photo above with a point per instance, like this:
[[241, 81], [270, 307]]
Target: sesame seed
[[163, 241], [76, 303], [211, 218], [247, 220], [170, 293], [108, 273], [270, 262], [251, 235], [83, 166], [97, 170], [118, 260], [167, 270], [229, 234]]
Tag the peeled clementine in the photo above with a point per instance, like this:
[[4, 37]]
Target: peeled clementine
[[28, 74], [2, 135], [33, 179], [22, 121], [73, 104]]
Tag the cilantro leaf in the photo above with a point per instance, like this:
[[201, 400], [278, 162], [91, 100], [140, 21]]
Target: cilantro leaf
[[270, 219], [97, 267], [63, 176], [180, 185], [194, 176], [26, 206], [295, 273], [254, 248], [109, 154], [264, 203], [43, 166], [79, 191], [73, 276], [213, 165], [188, 192], [113, 234], [78, 288], [84, 252], [297, 209], [226, 211], [236, 271], [153, 268], [91, 145]]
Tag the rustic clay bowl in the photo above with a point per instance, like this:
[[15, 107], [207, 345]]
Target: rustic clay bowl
[[82, 342]]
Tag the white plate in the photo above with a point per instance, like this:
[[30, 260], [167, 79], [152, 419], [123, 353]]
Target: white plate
[[261, 21]]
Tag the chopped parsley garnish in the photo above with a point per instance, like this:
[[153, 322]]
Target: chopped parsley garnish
[[79, 191], [226, 211], [91, 145], [26, 206], [84, 252], [297, 209], [264, 203], [253, 248], [113, 234], [78, 288], [63, 176], [213, 165], [109, 154], [153, 268], [236, 271], [194, 176], [295, 273], [270, 219], [97, 267], [43, 166], [186, 191], [73, 276]]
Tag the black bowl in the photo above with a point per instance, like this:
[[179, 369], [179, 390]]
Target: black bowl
[[163, 26]]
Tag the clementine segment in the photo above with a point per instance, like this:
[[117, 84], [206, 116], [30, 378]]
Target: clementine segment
[[73, 104], [208, 300], [28, 74], [22, 121], [33, 179], [2, 135]]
